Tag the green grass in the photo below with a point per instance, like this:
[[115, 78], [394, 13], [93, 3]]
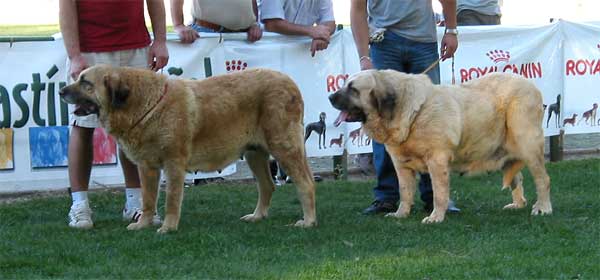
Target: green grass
[[39, 30], [482, 242], [29, 30]]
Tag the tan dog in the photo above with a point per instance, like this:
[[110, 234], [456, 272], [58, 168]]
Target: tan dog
[[179, 125], [487, 124]]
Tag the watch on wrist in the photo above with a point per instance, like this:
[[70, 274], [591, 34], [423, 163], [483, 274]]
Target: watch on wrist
[[452, 31]]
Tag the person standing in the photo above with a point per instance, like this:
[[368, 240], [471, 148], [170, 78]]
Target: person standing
[[313, 18], [115, 33], [478, 12], [400, 35], [217, 16]]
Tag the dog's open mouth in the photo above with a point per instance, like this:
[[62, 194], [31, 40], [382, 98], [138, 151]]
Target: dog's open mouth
[[86, 108], [349, 116]]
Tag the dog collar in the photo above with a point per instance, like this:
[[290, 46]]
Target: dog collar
[[148, 113]]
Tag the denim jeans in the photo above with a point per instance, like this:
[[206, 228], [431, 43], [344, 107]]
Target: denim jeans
[[401, 54]]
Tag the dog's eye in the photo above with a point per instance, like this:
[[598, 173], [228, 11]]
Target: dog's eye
[[86, 86]]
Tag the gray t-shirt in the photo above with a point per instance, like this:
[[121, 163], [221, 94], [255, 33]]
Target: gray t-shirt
[[302, 12], [412, 19], [486, 7]]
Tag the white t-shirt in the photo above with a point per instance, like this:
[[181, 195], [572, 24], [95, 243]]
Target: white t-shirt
[[232, 14], [302, 12]]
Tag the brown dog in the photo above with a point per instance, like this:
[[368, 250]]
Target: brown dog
[[570, 120], [337, 141], [179, 125], [487, 124]]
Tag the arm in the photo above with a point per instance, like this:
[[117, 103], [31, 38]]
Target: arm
[[360, 32], [186, 34], [449, 42], [69, 27], [254, 33], [158, 55], [283, 26]]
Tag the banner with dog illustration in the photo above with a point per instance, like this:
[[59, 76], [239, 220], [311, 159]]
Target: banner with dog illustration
[[581, 77], [35, 122]]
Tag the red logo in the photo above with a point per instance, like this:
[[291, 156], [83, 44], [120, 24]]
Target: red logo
[[335, 82], [499, 55], [235, 65], [501, 59]]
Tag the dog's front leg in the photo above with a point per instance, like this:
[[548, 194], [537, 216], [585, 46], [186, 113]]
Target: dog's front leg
[[407, 184], [175, 172], [439, 172], [149, 178]]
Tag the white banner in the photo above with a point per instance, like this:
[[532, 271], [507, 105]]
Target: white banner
[[34, 134]]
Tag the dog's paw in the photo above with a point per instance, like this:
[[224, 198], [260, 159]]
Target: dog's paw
[[431, 219], [137, 226], [165, 229], [398, 214], [305, 224], [541, 209], [514, 205], [253, 218]]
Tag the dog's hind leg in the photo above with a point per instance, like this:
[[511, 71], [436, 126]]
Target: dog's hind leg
[[149, 178], [543, 205], [258, 161], [175, 173], [513, 179], [294, 162]]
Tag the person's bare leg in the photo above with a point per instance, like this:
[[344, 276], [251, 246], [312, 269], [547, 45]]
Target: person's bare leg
[[130, 171], [81, 155]]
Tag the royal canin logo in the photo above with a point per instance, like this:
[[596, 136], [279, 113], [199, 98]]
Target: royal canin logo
[[583, 67], [235, 65], [335, 82], [498, 56], [501, 59]]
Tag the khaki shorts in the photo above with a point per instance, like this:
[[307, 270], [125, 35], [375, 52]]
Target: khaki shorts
[[132, 58]]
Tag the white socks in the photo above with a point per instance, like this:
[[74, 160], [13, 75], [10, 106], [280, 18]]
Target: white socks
[[80, 197], [133, 198]]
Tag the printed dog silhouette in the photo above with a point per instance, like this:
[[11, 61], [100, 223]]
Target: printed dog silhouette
[[570, 120], [318, 127], [337, 141], [554, 108], [356, 135], [590, 114]]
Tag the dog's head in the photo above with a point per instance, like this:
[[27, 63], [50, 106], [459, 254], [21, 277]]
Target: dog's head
[[386, 101], [322, 116], [98, 88], [110, 92]]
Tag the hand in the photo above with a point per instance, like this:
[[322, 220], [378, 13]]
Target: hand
[[186, 34], [254, 33], [317, 45], [77, 64], [366, 64], [320, 32], [158, 56], [448, 46]]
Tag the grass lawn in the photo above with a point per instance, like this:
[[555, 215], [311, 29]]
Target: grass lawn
[[38, 30], [481, 242]]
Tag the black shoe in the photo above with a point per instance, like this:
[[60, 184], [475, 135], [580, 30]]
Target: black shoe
[[379, 207]]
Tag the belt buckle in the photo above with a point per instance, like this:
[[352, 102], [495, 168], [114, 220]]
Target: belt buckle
[[377, 35]]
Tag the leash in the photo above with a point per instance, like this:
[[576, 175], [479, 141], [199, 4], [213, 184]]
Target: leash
[[162, 96], [436, 63]]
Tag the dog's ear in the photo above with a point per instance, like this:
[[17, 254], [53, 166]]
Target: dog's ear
[[117, 90], [385, 103]]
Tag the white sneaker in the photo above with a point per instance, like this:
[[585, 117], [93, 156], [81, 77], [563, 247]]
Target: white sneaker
[[132, 215], [80, 216]]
